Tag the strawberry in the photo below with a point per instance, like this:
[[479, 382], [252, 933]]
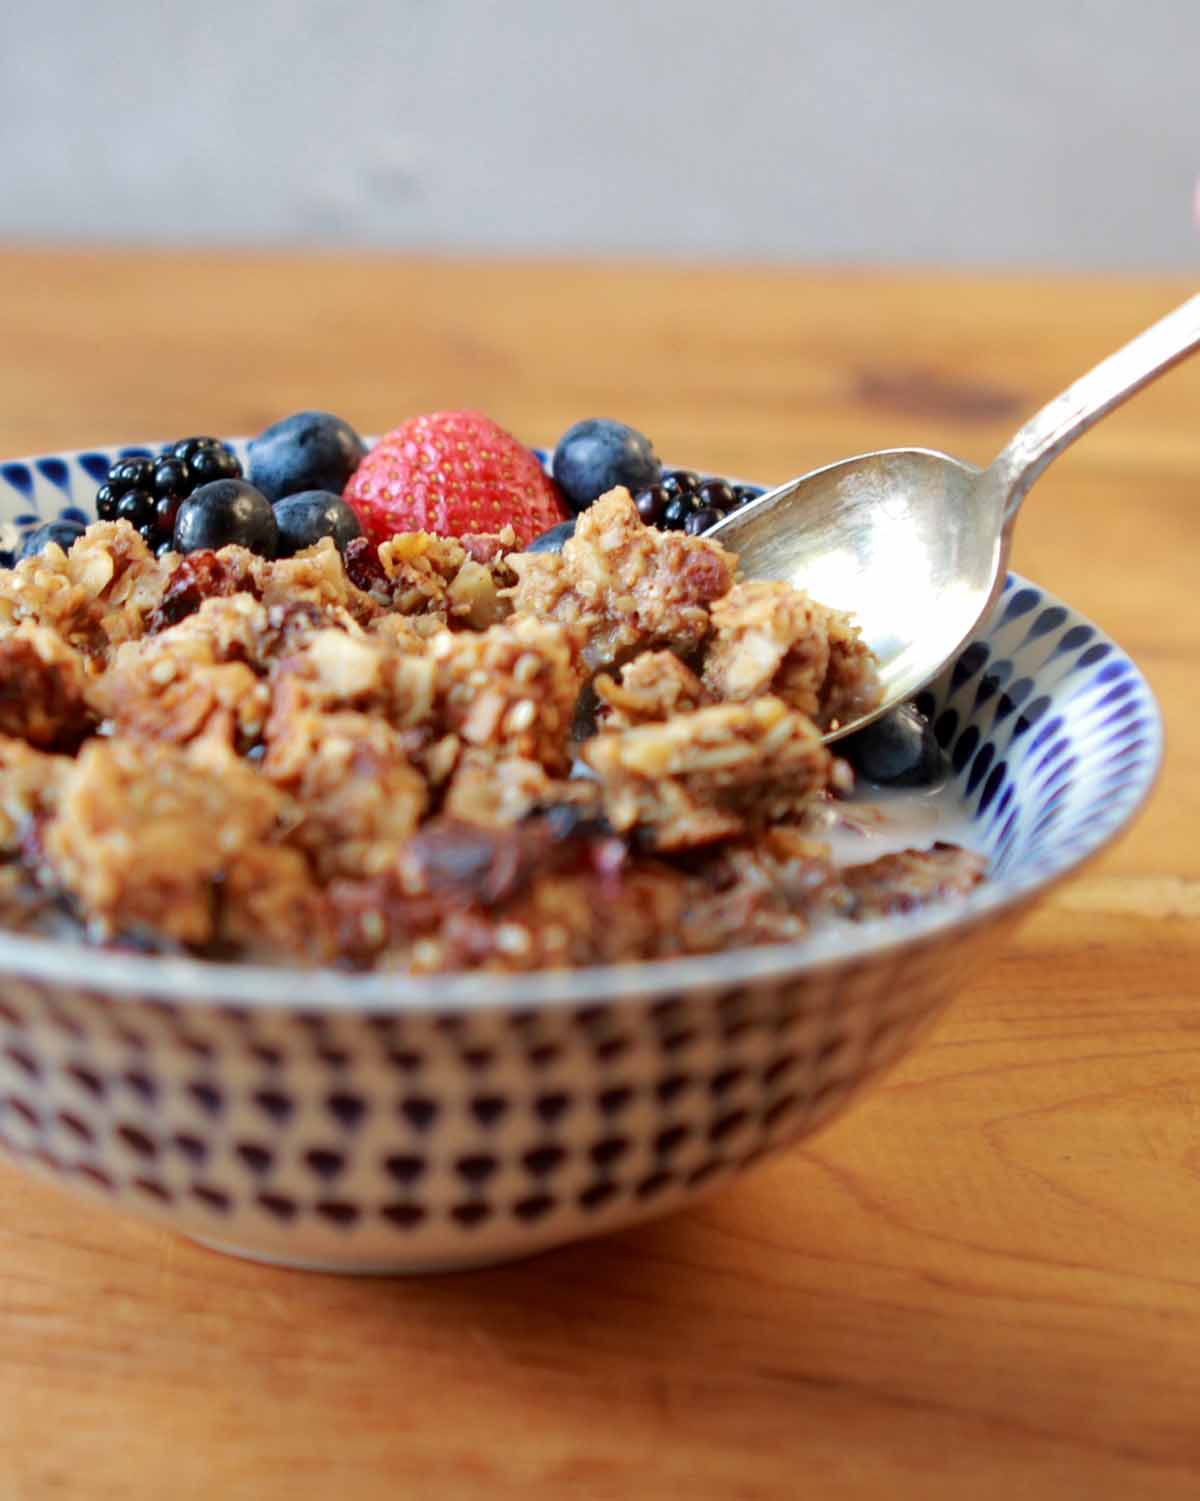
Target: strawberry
[[453, 473]]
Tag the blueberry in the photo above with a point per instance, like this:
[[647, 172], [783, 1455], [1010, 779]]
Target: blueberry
[[62, 532], [898, 750], [305, 518], [306, 451], [595, 455], [552, 541], [228, 510], [702, 520]]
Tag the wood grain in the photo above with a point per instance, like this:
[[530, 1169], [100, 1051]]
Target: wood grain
[[986, 1278]]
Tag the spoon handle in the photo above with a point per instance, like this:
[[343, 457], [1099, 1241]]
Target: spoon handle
[[1163, 345]]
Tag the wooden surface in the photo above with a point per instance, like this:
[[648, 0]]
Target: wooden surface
[[986, 1279]]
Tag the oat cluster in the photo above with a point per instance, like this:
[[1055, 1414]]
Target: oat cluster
[[434, 755]]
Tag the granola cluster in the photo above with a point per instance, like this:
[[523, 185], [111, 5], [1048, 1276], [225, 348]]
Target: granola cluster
[[437, 754]]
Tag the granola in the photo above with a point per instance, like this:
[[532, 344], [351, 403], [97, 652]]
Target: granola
[[378, 759], [624, 584], [771, 638]]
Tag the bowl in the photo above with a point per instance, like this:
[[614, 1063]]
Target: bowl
[[375, 1123]]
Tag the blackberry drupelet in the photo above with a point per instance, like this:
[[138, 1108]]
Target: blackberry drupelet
[[702, 520], [148, 492], [676, 512], [650, 504]]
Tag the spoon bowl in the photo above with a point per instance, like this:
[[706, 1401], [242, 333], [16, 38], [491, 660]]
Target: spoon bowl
[[913, 543], [892, 537]]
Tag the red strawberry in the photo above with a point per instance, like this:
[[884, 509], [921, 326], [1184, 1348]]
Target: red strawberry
[[453, 473]]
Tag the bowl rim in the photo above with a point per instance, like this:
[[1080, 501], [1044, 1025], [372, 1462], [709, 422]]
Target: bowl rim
[[216, 983]]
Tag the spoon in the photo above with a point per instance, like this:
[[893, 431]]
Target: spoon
[[915, 543]]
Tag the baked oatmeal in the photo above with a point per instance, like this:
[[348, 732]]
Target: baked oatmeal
[[376, 757]]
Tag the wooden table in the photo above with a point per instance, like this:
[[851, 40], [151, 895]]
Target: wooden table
[[986, 1279]]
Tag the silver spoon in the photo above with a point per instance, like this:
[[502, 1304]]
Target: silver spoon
[[915, 543]]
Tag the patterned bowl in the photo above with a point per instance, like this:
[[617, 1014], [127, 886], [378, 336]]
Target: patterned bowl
[[380, 1123]]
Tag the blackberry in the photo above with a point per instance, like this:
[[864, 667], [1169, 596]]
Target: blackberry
[[148, 491], [684, 501]]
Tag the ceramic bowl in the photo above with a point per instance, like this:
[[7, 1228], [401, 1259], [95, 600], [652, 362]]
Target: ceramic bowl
[[381, 1123]]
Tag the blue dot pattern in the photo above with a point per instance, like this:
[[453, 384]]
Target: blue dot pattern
[[1052, 733]]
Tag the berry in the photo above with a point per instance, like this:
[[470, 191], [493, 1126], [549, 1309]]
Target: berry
[[136, 507], [227, 511], [650, 503], [306, 451], [185, 448], [131, 474], [680, 481], [148, 492], [216, 462], [702, 520], [595, 455], [63, 533], [899, 750], [676, 512], [453, 473], [305, 518], [552, 541], [716, 492], [171, 475], [685, 501], [166, 508]]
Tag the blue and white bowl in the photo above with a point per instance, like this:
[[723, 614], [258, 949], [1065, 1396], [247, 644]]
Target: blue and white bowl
[[381, 1123]]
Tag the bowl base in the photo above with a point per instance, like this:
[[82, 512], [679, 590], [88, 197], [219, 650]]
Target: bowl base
[[333, 1267]]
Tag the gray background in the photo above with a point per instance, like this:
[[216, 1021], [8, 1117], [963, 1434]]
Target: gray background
[[1029, 132]]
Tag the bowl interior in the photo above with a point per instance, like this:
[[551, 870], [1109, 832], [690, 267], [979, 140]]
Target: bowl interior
[[1052, 732]]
